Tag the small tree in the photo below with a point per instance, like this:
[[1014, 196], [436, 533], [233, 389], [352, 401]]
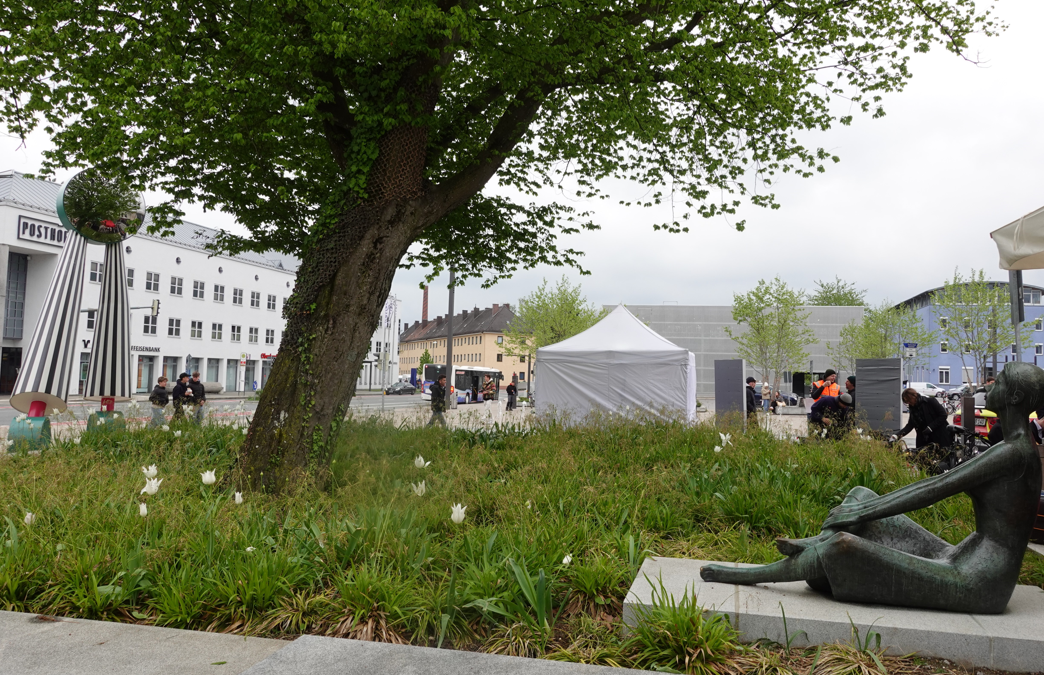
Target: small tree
[[425, 359], [973, 315], [776, 328], [547, 316], [837, 293], [880, 334]]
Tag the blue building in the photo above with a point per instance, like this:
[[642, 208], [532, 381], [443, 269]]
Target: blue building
[[944, 366]]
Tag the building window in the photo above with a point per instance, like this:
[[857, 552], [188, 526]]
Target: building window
[[1031, 296], [175, 285], [522, 359], [269, 336], [150, 325], [96, 272], [377, 348], [196, 330], [500, 357], [252, 336], [944, 322], [91, 316], [272, 302], [237, 296], [1038, 324], [152, 281], [967, 348], [130, 278], [944, 375], [1013, 351], [198, 287], [219, 293], [255, 300], [1038, 349], [500, 339], [944, 347], [237, 333], [173, 327], [215, 331]]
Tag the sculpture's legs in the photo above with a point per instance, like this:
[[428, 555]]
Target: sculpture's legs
[[805, 565]]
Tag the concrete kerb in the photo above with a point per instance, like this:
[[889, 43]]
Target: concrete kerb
[[1012, 641]]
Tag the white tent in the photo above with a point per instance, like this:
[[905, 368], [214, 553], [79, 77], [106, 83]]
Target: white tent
[[617, 363]]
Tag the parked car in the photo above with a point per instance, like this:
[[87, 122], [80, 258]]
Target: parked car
[[928, 389], [401, 388], [961, 391]]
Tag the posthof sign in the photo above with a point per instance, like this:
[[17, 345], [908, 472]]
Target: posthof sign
[[40, 231]]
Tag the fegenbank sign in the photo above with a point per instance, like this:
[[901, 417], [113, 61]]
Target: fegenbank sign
[[31, 229]]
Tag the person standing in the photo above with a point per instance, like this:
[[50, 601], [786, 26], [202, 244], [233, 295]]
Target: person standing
[[159, 400], [766, 396], [850, 388], [512, 392], [438, 401], [182, 396], [199, 396], [827, 386], [752, 404], [489, 392]]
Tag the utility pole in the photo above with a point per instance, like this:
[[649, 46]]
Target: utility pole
[[450, 397], [1018, 311]]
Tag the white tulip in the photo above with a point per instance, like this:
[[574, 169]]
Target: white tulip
[[457, 516], [726, 439], [165, 427], [717, 448], [30, 518], [150, 472], [420, 463], [529, 504], [244, 431], [568, 559], [177, 434], [57, 412], [151, 486], [8, 443], [250, 549], [143, 510], [76, 441], [209, 478], [239, 497], [419, 488]]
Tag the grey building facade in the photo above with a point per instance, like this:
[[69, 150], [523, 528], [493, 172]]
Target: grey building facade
[[701, 330]]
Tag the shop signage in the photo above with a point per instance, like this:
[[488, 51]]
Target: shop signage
[[31, 229], [268, 356], [145, 349]]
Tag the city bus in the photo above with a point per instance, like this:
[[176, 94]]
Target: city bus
[[467, 381]]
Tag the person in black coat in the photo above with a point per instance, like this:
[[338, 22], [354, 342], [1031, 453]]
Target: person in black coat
[[752, 402], [929, 417], [182, 396], [199, 396], [159, 400], [512, 393]]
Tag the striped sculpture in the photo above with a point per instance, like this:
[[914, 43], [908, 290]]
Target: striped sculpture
[[51, 358], [109, 373]]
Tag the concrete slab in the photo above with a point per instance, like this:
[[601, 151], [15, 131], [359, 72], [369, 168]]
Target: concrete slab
[[31, 646], [1038, 549], [1012, 641], [313, 655]]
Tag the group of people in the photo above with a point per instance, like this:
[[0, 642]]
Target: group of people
[[489, 394], [189, 397], [832, 413]]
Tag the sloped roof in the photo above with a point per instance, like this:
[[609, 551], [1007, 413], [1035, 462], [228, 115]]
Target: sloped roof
[[16, 188], [618, 333], [493, 319]]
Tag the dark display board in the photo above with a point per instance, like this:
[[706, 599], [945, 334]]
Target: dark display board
[[729, 396], [879, 387]]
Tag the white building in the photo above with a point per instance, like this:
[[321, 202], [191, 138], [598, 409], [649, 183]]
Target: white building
[[220, 315]]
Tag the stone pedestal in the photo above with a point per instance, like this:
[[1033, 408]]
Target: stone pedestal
[[1012, 641]]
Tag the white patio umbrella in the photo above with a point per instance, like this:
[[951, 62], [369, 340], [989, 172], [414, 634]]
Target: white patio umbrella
[[1021, 243]]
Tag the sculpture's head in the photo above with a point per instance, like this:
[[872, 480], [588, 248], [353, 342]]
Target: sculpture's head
[[1019, 388]]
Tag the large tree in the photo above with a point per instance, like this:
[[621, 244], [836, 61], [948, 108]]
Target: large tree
[[880, 334], [837, 293], [346, 131], [774, 329]]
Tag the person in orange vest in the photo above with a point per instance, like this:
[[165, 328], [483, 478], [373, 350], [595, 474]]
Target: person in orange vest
[[827, 386]]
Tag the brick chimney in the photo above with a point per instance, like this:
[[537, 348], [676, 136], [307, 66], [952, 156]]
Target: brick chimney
[[507, 306], [496, 308], [424, 307]]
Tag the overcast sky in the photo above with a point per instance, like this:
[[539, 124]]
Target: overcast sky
[[916, 194]]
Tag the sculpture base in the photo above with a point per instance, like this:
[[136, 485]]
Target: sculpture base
[[1012, 641], [34, 431]]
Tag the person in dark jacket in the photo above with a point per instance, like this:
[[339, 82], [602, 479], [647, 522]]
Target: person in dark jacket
[[831, 413], [512, 394], [182, 396], [752, 401], [438, 401], [199, 396], [850, 388], [159, 398], [929, 418]]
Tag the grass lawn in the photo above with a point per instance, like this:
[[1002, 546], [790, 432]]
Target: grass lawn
[[557, 522]]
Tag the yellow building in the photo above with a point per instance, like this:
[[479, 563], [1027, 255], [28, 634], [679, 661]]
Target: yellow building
[[478, 340]]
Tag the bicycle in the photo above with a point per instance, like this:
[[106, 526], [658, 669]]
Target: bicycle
[[935, 459]]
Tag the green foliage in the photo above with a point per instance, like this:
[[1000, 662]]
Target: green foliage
[[775, 329], [287, 114], [977, 315], [837, 293], [880, 335], [425, 359], [547, 316]]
